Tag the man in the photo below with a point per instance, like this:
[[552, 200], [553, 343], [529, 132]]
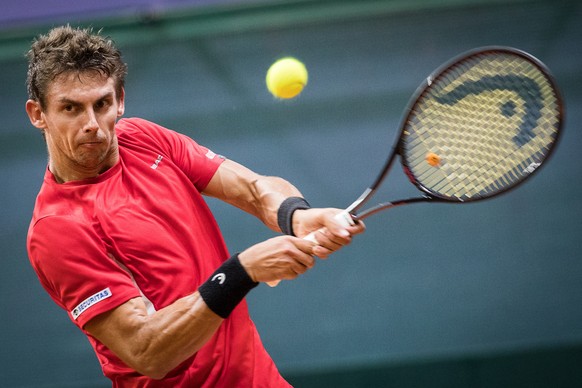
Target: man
[[122, 239]]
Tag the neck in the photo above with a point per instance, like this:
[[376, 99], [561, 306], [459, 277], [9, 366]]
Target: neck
[[69, 170]]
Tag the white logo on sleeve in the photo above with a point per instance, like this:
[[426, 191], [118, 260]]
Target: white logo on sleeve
[[212, 155], [221, 277], [90, 301]]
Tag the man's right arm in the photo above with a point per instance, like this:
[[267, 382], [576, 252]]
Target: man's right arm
[[155, 344]]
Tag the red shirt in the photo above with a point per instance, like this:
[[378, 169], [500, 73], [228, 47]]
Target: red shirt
[[142, 228]]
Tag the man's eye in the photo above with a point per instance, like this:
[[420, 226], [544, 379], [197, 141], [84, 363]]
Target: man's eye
[[101, 104]]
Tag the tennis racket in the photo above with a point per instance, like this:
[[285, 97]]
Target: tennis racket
[[477, 127]]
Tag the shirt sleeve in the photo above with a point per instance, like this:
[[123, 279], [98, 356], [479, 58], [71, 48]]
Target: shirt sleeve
[[196, 161], [72, 264]]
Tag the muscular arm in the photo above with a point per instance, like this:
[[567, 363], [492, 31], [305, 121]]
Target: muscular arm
[[155, 344], [262, 195], [256, 194]]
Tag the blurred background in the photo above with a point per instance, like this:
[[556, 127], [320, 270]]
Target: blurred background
[[480, 295]]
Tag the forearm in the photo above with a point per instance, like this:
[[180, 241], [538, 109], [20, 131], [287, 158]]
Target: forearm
[[256, 194], [155, 344], [176, 333], [270, 192]]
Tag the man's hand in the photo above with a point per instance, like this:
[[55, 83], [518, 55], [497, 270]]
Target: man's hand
[[283, 257], [330, 234]]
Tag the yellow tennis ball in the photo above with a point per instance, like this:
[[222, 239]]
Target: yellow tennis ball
[[286, 78]]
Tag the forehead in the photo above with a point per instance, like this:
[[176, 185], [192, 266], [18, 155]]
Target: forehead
[[80, 86]]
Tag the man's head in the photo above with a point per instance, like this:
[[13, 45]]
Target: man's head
[[66, 49], [76, 94]]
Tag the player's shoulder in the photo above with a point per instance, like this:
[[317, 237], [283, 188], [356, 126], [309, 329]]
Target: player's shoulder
[[63, 219], [61, 222], [51, 231], [57, 205], [135, 125], [142, 131]]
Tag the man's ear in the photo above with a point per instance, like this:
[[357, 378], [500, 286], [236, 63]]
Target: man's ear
[[35, 115], [121, 103]]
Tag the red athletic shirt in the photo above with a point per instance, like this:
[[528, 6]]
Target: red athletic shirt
[[143, 229]]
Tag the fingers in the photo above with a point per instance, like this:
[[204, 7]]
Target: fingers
[[327, 242], [286, 257], [298, 257], [283, 257], [344, 225], [295, 258], [334, 236]]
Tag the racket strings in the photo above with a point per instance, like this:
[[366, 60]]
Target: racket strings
[[490, 120]]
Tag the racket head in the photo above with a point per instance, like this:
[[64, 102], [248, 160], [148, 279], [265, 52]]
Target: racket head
[[480, 125]]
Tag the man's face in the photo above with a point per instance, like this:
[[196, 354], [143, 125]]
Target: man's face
[[79, 124]]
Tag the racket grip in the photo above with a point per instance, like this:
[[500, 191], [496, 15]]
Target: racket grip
[[344, 219]]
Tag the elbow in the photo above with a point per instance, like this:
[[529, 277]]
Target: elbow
[[149, 360], [151, 369], [155, 374], [150, 364]]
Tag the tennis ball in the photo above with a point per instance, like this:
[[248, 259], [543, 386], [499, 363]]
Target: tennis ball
[[286, 78]]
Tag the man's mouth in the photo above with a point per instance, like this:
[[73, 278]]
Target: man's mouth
[[91, 143]]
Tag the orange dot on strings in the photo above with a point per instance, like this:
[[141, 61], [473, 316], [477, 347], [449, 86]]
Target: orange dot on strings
[[433, 159]]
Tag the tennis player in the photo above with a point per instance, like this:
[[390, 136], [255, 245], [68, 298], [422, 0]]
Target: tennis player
[[122, 239]]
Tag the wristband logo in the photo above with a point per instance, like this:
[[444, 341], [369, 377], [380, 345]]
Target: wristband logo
[[221, 277]]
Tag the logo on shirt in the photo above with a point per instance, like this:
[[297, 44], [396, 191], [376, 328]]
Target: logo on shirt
[[157, 162], [91, 301], [212, 155]]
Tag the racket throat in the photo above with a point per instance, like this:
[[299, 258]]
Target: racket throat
[[389, 205], [362, 199]]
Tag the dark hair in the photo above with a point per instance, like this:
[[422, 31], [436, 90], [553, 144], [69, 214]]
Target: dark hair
[[67, 49]]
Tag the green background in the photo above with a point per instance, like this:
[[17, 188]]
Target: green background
[[480, 295]]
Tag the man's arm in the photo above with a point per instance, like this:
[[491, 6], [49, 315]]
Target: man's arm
[[155, 344], [262, 196], [256, 194]]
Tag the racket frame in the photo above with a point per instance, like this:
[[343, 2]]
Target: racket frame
[[427, 194]]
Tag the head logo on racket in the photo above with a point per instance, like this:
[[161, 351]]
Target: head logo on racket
[[524, 87]]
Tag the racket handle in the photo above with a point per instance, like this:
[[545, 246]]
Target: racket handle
[[344, 219]]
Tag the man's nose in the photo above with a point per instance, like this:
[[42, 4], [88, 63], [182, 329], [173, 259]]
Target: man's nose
[[91, 124]]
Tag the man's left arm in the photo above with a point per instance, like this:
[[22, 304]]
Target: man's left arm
[[262, 197]]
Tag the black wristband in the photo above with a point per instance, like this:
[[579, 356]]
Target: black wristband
[[226, 287], [285, 213]]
